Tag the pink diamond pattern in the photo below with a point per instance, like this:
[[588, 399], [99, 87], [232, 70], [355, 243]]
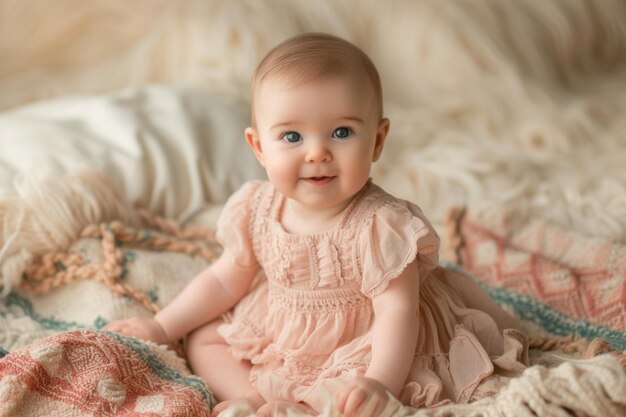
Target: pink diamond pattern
[[580, 276]]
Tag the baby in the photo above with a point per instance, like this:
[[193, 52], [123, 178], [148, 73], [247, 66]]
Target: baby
[[350, 300]]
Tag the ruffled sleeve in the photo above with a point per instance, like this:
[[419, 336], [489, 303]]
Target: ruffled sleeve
[[396, 234], [233, 225]]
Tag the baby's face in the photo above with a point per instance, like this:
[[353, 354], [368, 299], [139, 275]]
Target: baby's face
[[317, 141]]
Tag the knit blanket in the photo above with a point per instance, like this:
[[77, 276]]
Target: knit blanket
[[57, 360], [513, 109], [85, 373], [563, 280]]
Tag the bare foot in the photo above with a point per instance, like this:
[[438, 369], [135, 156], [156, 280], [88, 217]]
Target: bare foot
[[275, 408], [253, 399]]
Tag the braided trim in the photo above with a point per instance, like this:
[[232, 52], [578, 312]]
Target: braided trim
[[54, 269]]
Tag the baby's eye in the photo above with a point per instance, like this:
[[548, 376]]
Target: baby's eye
[[291, 137], [342, 132]]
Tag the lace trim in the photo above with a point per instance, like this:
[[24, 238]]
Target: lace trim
[[347, 298], [242, 323], [255, 206], [249, 325], [300, 367]]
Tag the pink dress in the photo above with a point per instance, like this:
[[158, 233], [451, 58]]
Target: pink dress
[[308, 319]]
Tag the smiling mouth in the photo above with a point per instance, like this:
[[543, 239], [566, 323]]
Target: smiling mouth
[[318, 180]]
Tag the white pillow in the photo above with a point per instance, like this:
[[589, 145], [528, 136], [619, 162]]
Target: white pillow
[[170, 150], [68, 163]]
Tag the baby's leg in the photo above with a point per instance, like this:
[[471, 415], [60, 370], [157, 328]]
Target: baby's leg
[[226, 376], [477, 298]]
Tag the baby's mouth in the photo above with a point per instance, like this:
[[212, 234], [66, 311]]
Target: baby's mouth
[[319, 180]]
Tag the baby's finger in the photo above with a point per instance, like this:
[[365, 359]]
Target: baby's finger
[[342, 397], [113, 327], [380, 407], [353, 402], [368, 408], [124, 328]]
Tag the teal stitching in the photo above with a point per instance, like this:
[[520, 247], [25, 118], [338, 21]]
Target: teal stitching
[[550, 319], [146, 234], [141, 349], [152, 293], [161, 369], [99, 323], [129, 256], [14, 299], [3, 352]]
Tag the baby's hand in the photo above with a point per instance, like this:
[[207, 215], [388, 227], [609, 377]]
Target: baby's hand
[[146, 328], [363, 397]]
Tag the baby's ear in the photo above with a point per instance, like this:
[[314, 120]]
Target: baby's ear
[[254, 142], [381, 135]]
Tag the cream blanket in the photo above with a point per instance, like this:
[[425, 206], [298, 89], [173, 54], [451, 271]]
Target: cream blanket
[[500, 105], [56, 361]]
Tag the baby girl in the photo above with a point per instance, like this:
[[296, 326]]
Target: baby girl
[[350, 300]]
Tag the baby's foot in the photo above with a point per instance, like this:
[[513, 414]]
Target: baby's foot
[[276, 408], [253, 399]]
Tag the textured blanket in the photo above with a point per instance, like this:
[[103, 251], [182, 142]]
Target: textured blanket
[[561, 279], [56, 361], [85, 373], [515, 110]]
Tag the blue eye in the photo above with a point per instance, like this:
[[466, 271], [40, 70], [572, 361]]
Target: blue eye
[[292, 137], [342, 132]]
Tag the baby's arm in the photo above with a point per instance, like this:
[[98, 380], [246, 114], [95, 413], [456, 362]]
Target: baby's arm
[[209, 294], [394, 339], [394, 336]]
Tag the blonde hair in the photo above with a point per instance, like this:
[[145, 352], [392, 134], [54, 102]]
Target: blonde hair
[[314, 56]]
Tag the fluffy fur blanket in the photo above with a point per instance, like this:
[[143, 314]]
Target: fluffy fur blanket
[[515, 110], [515, 103]]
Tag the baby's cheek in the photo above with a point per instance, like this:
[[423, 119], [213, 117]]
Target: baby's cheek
[[283, 175], [359, 169]]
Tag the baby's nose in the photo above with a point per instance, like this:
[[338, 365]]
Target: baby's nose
[[318, 151]]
